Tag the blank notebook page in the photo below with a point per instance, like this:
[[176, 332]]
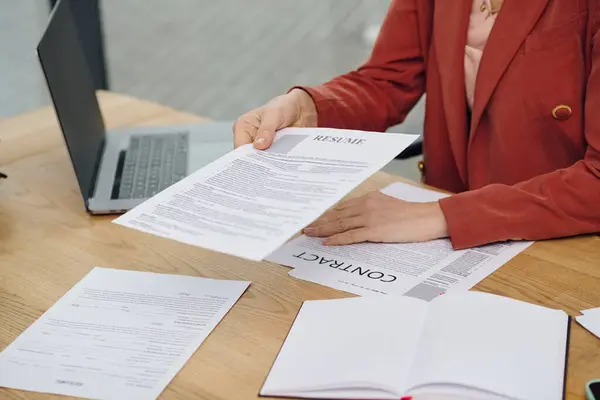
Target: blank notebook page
[[493, 343], [348, 348]]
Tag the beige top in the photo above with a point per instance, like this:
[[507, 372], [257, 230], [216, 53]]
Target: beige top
[[483, 16]]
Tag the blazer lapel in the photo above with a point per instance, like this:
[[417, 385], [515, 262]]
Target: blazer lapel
[[514, 22], [451, 21]]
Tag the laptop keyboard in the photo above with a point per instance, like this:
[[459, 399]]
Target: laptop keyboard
[[153, 163]]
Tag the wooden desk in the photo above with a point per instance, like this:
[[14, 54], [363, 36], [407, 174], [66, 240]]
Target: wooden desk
[[48, 243]]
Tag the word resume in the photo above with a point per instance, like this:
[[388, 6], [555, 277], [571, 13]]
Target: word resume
[[249, 202], [117, 334]]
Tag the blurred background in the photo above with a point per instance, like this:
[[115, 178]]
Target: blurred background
[[217, 59]]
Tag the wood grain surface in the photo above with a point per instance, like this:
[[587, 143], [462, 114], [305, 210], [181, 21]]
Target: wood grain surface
[[48, 243]]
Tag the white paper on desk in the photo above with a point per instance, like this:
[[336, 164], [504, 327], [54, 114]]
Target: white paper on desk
[[421, 270], [592, 311], [590, 320], [117, 334], [249, 202]]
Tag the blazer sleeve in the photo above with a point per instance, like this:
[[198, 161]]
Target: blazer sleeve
[[382, 91], [562, 203]]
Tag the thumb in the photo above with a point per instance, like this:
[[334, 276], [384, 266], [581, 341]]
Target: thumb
[[270, 122]]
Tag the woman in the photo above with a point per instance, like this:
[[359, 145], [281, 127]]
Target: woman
[[512, 121]]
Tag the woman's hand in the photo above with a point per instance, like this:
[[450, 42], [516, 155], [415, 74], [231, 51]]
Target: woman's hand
[[258, 126], [377, 217]]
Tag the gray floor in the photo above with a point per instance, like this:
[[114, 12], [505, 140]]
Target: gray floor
[[213, 58]]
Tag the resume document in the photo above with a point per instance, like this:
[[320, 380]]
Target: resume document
[[249, 202]]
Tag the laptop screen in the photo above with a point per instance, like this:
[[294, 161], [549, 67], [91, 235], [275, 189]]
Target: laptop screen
[[71, 88]]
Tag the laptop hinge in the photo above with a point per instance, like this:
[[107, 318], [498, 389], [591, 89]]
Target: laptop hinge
[[96, 171], [118, 175]]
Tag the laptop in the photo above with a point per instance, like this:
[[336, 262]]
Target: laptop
[[116, 169]]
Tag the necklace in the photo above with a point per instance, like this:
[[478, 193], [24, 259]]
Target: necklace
[[492, 8]]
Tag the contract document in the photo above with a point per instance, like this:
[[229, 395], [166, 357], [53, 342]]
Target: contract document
[[117, 335], [249, 202], [422, 270]]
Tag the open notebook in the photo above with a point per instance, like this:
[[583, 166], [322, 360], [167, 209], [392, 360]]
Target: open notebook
[[468, 345]]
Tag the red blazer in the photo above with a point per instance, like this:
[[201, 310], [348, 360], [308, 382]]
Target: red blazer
[[526, 162]]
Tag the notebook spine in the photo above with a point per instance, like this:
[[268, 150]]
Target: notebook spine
[[566, 357]]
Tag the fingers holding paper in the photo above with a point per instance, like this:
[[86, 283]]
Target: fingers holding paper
[[378, 217], [295, 109]]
